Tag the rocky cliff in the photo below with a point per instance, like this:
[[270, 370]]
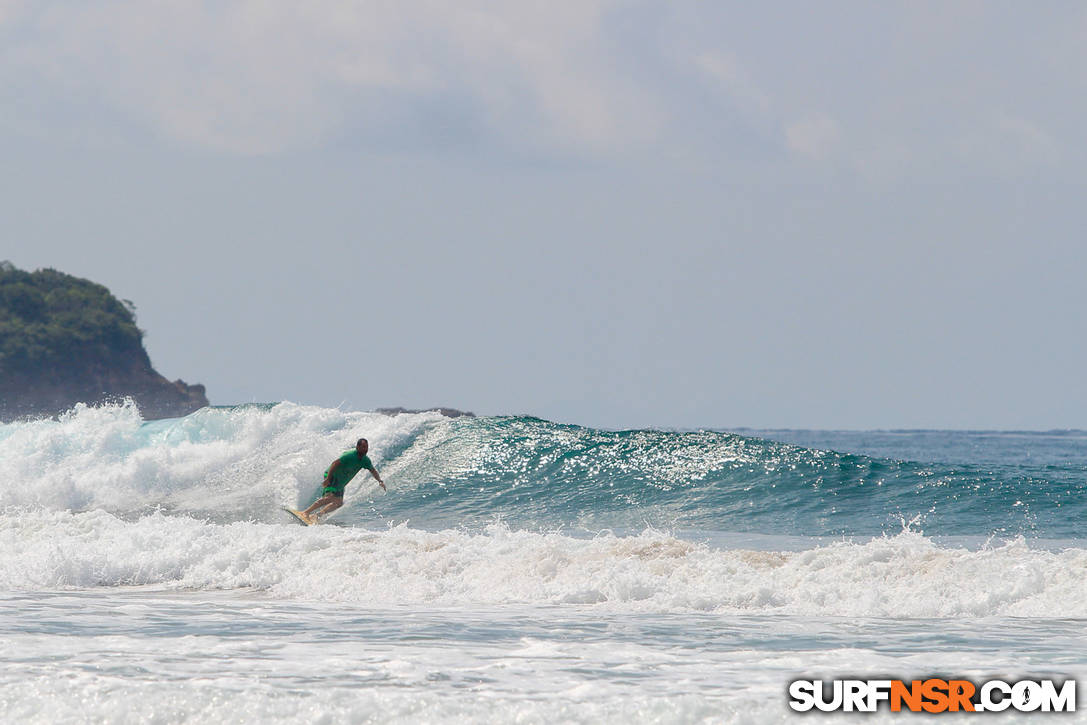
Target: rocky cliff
[[65, 340]]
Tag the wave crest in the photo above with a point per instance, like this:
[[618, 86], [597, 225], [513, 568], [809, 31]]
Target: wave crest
[[907, 575]]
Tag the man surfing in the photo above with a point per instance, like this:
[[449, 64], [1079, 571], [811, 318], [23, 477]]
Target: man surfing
[[342, 470]]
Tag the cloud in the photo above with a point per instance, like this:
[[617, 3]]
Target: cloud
[[813, 136], [728, 74], [257, 77], [684, 83]]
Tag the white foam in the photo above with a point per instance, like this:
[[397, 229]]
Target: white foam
[[100, 698], [903, 576], [238, 462]]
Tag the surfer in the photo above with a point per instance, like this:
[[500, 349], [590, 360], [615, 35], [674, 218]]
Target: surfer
[[342, 470]]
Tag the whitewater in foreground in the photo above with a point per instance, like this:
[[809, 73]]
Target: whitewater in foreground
[[520, 570]]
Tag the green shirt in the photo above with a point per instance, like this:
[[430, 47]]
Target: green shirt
[[350, 464]]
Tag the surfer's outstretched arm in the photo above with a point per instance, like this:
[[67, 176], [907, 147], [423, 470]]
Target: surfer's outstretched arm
[[374, 473]]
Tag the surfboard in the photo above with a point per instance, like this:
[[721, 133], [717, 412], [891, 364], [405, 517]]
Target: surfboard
[[299, 516]]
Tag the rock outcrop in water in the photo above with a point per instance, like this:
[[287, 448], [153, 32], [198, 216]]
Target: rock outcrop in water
[[66, 340], [447, 412]]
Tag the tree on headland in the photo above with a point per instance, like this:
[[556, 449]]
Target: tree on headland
[[64, 340], [51, 321]]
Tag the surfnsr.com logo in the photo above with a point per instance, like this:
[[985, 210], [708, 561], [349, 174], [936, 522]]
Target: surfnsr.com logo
[[933, 695]]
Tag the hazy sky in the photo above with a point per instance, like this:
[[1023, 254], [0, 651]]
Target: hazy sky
[[831, 215]]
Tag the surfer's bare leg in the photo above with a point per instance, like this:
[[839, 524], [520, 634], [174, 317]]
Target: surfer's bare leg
[[324, 500], [334, 504]]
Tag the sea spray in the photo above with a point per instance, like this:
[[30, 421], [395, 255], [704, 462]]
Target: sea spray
[[518, 569], [906, 575], [243, 463]]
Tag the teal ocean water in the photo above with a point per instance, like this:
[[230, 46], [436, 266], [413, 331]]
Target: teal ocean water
[[532, 472], [518, 569]]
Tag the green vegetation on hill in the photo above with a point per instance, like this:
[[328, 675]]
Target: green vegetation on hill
[[66, 340], [51, 322]]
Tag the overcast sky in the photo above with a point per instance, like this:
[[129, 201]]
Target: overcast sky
[[621, 214]]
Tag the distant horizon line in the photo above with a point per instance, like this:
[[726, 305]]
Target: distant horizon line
[[686, 429]]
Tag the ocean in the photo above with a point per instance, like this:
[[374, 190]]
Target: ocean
[[520, 570]]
